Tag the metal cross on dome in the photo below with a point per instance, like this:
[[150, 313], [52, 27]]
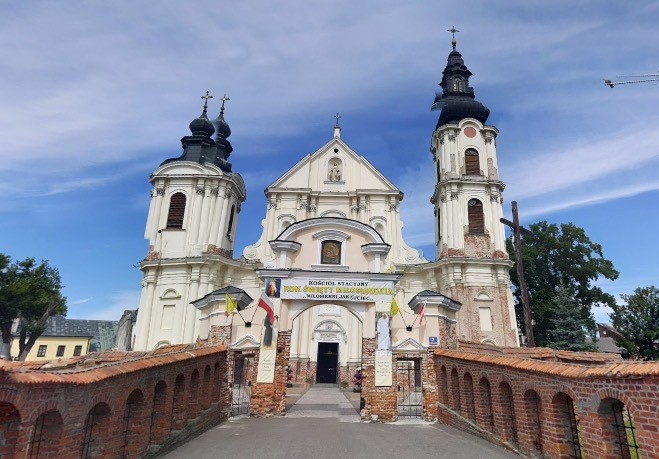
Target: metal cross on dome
[[206, 97], [224, 98], [453, 31], [338, 117]]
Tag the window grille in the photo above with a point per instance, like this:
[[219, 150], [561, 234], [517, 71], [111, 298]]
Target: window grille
[[626, 431], [476, 217], [37, 437], [176, 211], [127, 416], [88, 437], [472, 162], [572, 429]]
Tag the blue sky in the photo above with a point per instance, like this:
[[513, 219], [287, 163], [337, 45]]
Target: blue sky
[[96, 94]]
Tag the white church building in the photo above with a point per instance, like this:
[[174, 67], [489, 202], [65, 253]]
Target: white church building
[[331, 256]]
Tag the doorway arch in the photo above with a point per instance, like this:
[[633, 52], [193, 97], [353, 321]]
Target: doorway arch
[[326, 341]]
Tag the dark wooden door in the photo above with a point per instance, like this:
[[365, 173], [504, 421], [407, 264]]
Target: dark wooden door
[[328, 359]]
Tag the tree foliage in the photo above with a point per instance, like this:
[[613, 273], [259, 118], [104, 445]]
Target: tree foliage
[[29, 292], [638, 321], [552, 257], [566, 331]]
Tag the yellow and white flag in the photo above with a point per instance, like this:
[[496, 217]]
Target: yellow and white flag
[[231, 305], [394, 307]]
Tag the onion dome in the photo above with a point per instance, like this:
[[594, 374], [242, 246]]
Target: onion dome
[[221, 126], [202, 126], [457, 100]]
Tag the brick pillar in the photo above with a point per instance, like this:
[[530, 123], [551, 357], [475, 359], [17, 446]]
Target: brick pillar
[[429, 385], [380, 402], [269, 399]]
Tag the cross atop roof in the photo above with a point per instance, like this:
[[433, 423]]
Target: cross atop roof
[[206, 97], [453, 30]]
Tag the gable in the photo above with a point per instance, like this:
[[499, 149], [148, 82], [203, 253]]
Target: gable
[[313, 172]]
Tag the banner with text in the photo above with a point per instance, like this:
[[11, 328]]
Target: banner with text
[[383, 354], [340, 290]]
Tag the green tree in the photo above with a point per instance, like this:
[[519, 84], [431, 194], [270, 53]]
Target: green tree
[[638, 321], [566, 331], [565, 256], [31, 293]]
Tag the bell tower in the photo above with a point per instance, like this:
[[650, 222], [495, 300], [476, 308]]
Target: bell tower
[[468, 201], [191, 229]]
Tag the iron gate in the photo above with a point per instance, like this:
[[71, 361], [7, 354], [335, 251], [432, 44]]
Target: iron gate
[[408, 380], [242, 385]]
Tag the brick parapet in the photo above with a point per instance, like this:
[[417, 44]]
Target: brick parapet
[[147, 382], [587, 386]]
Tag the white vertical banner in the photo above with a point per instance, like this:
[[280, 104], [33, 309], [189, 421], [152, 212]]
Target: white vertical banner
[[268, 349], [383, 356]]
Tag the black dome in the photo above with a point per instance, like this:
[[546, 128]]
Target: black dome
[[222, 128], [457, 100], [202, 126]]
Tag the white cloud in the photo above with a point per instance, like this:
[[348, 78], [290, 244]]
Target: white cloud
[[595, 198], [81, 301]]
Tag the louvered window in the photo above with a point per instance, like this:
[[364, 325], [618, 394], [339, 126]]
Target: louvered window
[[472, 164], [476, 218], [176, 211]]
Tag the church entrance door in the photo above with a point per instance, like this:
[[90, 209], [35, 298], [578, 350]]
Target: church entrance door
[[327, 362]]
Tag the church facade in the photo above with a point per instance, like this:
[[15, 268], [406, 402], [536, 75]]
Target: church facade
[[331, 262]]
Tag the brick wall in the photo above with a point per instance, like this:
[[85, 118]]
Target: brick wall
[[530, 404], [111, 404]]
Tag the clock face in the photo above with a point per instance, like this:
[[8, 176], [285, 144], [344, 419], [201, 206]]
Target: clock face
[[331, 253]]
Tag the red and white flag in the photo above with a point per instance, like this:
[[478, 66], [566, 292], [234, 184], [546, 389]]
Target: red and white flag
[[266, 304], [422, 313]]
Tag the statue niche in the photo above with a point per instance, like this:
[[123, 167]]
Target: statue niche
[[334, 173]]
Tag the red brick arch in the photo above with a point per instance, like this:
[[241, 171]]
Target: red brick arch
[[10, 420], [46, 435]]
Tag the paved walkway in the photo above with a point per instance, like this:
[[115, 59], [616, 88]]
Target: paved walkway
[[324, 424], [324, 401]]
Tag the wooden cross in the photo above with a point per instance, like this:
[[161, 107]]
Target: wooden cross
[[206, 97], [453, 30], [518, 230], [223, 99], [338, 117]]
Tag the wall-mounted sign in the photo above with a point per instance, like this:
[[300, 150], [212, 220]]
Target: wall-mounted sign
[[341, 290], [433, 340]]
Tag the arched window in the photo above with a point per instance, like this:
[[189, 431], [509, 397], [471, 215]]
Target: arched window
[[176, 211], [472, 163], [457, 84], [330, 253], [475, 215], [230, 225]]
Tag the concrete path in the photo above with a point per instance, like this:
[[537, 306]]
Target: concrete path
[[324, 401], [323, 424]]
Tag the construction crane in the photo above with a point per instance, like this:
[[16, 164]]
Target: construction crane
[[655, 77]]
